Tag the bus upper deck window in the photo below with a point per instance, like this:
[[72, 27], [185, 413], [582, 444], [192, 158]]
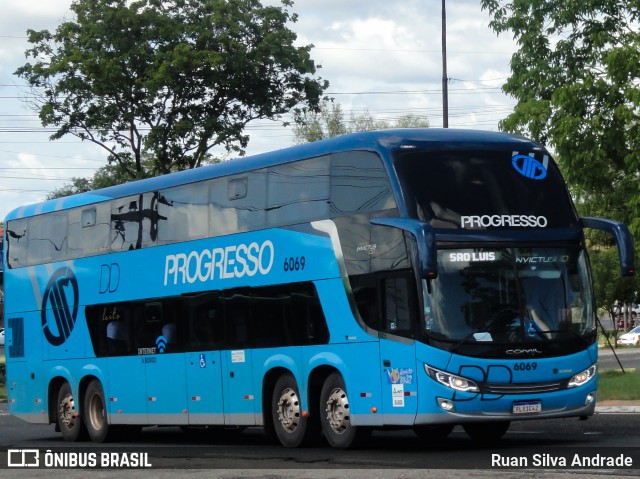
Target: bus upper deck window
[[88, 218], [237, 188]]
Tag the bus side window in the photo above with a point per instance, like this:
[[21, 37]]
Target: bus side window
[[359, 184], [237, 203], [365, 293], [117, 338], [207, 328], [47, 241], [298, 192], [183, 212], [89, 230], [134, 221], [397, 315]]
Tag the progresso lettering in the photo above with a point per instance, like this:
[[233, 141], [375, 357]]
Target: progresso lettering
[[233, 261], [515, 221]]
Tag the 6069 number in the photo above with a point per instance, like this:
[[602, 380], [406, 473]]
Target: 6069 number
[[525, 366], [294, 263]]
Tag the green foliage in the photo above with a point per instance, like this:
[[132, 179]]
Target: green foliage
[[575, 77], [330, 122], [614, 384], [110, 175], [609, 287], [171, 78]]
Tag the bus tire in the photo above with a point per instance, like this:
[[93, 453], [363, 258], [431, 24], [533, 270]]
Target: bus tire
[[486, 431], [95, 413], [286, 409], [335, 415], [68, 415]]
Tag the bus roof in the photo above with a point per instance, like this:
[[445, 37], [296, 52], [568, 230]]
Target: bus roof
[[382, 140]]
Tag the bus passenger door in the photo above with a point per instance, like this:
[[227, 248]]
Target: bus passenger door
[[160, 343], [204, 388], [167, 389], [126, 396], [397, 353], [239, 400]]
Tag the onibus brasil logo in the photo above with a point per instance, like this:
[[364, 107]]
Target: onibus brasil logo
[[60, 306]]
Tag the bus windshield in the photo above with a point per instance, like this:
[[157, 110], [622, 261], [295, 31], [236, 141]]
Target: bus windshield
[[509, 295], [473, 190]]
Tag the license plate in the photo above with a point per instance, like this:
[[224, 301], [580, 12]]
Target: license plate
[[527, 407]]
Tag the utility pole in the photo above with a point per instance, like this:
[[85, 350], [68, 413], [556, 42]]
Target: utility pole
[[445, 80]]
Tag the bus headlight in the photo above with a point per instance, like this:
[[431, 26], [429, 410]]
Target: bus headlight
[[583, 377], [451, 380]]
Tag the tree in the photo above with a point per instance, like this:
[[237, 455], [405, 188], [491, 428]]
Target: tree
[[169, 78], [110, 175], [330, 122], [575, 77]]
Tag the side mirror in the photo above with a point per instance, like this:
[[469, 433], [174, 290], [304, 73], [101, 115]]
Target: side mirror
[[623, 239], [425, 239]]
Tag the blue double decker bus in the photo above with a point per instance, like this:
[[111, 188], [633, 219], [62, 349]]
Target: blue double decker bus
[[402, 278]]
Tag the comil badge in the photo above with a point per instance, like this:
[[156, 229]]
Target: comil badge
[[529, 167], [60, 306]]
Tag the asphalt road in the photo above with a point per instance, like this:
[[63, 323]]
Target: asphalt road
[[384, 455], [387, 454]]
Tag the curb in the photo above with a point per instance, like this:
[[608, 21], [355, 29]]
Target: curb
[[617, 409]]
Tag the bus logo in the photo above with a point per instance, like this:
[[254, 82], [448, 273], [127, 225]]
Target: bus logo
[[530, 167], [60, 306]]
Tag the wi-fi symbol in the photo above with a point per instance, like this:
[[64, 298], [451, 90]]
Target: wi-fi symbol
[[161, 343]]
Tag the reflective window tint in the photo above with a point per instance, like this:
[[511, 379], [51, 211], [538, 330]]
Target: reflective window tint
[[483, 190], [89, 230], [286, 315], [238, 188], [17, 243], [298, 192], [346, 186], [183, 213], [47, 239], [396, 297], [359, 184], [386, 302], [134, 222], [237, 203]]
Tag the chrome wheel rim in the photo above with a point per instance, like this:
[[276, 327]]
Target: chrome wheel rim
[[67, 412], [338, 410], [289, 410]]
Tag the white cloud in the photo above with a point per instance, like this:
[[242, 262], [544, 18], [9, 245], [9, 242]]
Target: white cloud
[[363, 46]]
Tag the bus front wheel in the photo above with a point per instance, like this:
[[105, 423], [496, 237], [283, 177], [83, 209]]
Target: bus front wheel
[[95, 412], [335, 415], [68, 416]]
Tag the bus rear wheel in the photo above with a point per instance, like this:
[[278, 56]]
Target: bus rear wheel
[[292, 427], [68, 416], [95, 413], [335, 415], [486, 431]]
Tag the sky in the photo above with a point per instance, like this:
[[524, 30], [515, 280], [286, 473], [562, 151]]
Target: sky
[[380, 56]]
